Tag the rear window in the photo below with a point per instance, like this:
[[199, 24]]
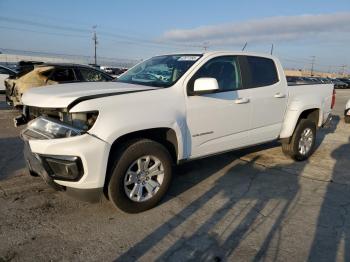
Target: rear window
[[92, 75], [47, 73], [63, 75], [263, 71]]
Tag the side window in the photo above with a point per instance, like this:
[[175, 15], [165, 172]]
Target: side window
[[224, 69], [262, 70], [63, 75], [92, 75]]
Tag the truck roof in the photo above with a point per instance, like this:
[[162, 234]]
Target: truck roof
[[209, 53]]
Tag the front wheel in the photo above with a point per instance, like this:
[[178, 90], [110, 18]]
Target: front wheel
[[140, 177], [302, 143]]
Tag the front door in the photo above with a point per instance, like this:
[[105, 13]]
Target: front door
[[218, 121]]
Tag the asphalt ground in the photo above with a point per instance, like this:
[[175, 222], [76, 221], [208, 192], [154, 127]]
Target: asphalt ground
[[248, 205]]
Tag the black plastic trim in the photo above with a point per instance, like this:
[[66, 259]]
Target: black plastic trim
[[50, 172]]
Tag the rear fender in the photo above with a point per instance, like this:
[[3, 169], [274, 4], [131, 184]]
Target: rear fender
[[292, 117]]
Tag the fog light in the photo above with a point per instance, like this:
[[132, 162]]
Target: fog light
[[64, 167]]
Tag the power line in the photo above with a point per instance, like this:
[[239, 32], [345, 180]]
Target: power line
[[51, 26], [43, 32], [140, 41]]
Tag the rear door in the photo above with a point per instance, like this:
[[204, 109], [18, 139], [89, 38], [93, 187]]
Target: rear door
[[218, 121], [268, 98]]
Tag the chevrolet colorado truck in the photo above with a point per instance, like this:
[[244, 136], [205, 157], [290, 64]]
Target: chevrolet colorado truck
[[120, 139]]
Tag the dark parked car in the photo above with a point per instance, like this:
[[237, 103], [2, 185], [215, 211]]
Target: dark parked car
[[346, 81], [49, 74], [296, 80], [339, 84]]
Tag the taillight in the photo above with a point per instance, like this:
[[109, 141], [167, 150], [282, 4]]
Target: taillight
[[333, 99]]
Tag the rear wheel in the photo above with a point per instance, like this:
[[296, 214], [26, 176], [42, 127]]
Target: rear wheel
[[302, 143], [140, 177]]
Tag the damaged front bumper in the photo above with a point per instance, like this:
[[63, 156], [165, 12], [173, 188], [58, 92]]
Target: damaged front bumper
[[76, 165], [34, 164]]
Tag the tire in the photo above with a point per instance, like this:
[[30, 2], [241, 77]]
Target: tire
[[292, 148], [129, 162]]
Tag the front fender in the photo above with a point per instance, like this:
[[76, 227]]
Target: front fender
[[176, 127]]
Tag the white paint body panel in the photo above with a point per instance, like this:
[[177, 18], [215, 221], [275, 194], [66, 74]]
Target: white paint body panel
[[225, 124], [304, 97], [60, 96]]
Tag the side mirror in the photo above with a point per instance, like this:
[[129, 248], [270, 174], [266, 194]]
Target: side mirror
[[205, 85]]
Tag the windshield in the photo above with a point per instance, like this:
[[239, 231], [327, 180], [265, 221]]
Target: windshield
[[159, 71]]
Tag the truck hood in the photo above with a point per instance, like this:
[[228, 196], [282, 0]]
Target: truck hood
[[61, 96]]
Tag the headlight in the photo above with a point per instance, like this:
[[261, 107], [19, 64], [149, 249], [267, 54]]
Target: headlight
[[59, 124], [51, 128]]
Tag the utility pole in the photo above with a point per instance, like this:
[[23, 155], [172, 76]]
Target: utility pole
[[343, 69], [312, 65], [205, 46], [94, 38], [329, 69]]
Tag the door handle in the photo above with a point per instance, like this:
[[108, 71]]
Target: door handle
[[241, 100], [279, 95]]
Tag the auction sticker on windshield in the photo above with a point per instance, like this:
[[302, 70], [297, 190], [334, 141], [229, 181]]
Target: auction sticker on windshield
[[188, 58]]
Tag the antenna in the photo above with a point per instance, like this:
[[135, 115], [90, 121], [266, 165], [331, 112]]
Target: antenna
[[271, 52], [245, 45]]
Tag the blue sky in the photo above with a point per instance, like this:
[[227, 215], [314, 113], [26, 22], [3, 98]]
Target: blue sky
[[139, 29]]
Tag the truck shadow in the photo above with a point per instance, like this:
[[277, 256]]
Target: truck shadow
[[333, 227], [11, 156], [3, 104], [239, 200]]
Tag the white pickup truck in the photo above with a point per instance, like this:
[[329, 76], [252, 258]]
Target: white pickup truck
[[121, 138]]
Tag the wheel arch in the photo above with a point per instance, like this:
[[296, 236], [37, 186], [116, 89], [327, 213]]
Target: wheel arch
[[292, 119], [163, 135]]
